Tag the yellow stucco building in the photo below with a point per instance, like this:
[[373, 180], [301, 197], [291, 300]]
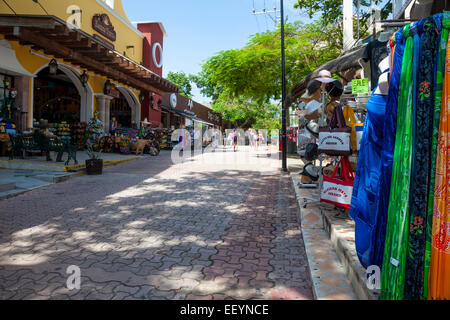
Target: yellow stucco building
[[94, 45]]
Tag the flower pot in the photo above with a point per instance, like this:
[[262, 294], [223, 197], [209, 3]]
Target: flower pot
[[94, 166]]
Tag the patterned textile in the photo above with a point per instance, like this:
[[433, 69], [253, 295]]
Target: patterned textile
[[439, 281], [440, 73], [390, 128], [420, 168], [365, 187], [394, 261]]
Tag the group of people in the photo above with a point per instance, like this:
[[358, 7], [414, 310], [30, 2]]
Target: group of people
[[255, 138]]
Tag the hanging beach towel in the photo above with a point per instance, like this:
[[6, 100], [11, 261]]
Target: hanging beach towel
[[421, 158], [357, 127], [394, 260], [364, 200], [444, 22], [337, 190], [389, 132], [335, 138]]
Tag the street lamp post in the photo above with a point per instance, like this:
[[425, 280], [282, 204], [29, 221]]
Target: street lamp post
[[283, 96]]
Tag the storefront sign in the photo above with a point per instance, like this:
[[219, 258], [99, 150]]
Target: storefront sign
[[173, 100], [189, 112], [157, 46], [360, 86], [102, 24]]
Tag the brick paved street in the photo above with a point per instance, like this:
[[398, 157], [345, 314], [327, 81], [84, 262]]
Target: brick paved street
[[221, 228]]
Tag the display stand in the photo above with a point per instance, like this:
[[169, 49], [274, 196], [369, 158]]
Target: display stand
[[307, 201]]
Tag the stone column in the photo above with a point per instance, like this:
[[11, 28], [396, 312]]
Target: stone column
[[104, 102], [107, 115], [22, 85]]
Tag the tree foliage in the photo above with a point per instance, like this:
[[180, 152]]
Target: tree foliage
[[254, 71], [183, 81], [330, 11], [246, 113], [251, 76]]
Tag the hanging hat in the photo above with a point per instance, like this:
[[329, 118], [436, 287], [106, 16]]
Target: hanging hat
[[334, 88], [145, 121], [303, 137], [324, 76], [312, 106], [312, 88], [311, 151], [313, 128], [311, 171]]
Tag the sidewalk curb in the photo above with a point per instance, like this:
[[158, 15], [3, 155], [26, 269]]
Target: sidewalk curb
[[330, 281], [69, 176]]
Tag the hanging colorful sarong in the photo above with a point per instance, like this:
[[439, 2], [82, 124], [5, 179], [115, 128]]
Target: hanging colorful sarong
[[440, 73], [365, 187], [394, 261], [421, 152], [439, 281], [390, 128]]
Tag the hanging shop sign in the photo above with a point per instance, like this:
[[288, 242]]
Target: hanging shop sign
[[173, 100], [360, 86], [189, 112], [102, 24]]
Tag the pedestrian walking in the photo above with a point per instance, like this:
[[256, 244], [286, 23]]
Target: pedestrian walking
[[235, 140], [250, 137]]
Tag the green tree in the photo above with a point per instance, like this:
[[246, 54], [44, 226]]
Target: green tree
[[183, 81], [245, 113], [254, 71], [330, 11], [243, 83]]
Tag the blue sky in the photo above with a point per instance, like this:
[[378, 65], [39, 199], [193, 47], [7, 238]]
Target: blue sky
[[197, 29]]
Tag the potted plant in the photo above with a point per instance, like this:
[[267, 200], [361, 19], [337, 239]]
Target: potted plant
[[94, 165]]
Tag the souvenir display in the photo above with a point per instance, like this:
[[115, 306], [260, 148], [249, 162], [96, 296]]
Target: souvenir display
[[337, 190], [400, 200], [335, 138]]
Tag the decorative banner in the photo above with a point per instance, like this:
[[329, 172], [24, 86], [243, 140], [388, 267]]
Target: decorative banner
[[360, 86]]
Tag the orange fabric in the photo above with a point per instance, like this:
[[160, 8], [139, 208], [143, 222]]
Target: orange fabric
[[439, 284], [350, 121]]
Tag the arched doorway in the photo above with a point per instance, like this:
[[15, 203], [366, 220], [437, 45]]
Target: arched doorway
[[133, 112], [69, 76], [56, 98], [120, 112]]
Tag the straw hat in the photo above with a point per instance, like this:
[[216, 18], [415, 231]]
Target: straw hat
[[145, 121]]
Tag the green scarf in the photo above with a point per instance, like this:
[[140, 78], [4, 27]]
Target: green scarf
[[394, 259]]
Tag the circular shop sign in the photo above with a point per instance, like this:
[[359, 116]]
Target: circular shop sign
[[156, 46], [173, 100]]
